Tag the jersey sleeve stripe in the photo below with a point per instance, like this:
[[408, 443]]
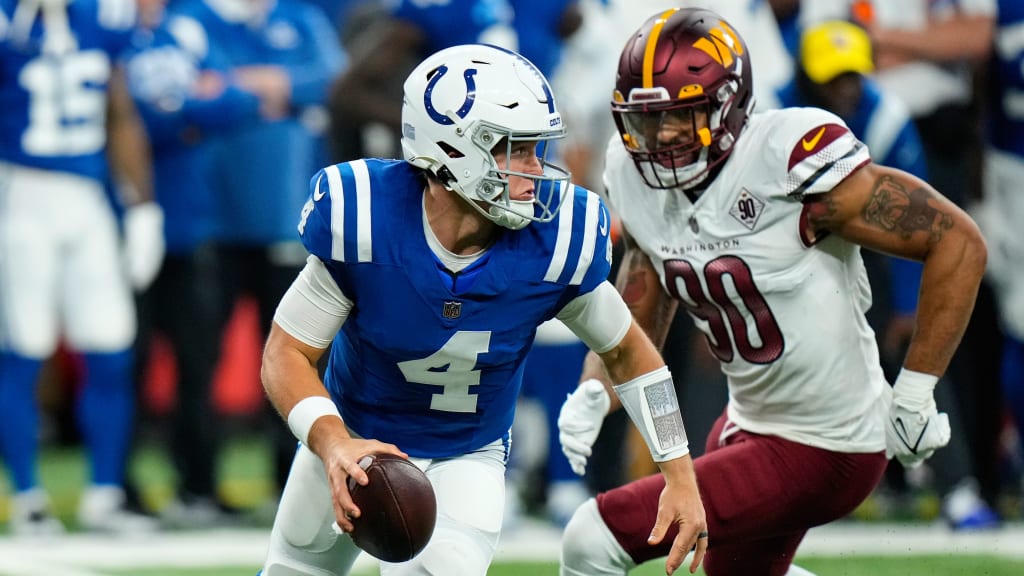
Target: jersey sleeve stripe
[[561, 252], [803, 181], [589, 240], [364, 230], [337, 192]]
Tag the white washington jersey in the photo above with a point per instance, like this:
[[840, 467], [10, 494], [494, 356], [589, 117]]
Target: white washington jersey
[[782, 312]]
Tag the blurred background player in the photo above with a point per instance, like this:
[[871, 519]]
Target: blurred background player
[[286, 53], [66, 111], [1003, 209], [366, 100], [187, 100]]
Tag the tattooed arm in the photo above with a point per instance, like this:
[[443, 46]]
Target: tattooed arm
[[891, 211], [652, 308]]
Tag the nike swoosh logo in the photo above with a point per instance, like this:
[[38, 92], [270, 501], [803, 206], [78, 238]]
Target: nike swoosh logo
[[603, 228], [318, 194], [810, 144], [901, 432]]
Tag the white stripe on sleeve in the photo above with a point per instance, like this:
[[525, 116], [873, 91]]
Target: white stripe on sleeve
[[364, 239], [589, 239], [337, 191], [561, 251]]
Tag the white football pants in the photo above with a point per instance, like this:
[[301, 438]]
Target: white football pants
[[470, 492], [60, 265]]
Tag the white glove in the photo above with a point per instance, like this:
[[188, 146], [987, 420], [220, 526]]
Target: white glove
[[580, 421], [914, 427], [143, 243]]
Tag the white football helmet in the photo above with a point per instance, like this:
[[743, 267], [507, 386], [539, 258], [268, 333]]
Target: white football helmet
[[461, 102]]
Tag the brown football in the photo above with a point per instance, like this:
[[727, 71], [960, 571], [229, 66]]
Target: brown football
[[398, 508]]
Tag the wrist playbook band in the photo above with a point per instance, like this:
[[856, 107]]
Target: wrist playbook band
[[650, 400], [306, 412]]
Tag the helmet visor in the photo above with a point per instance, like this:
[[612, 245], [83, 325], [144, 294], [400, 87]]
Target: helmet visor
[[671, 135]]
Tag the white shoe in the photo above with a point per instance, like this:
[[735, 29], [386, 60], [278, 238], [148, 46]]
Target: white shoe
[[190, 512], [102, 509], [31, 516]]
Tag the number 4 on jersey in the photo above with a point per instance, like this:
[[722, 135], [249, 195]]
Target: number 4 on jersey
[[454, 368]]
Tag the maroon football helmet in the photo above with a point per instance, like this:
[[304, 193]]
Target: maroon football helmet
[[683, 94]]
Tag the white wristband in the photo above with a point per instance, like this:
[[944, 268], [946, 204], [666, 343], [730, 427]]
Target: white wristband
[[308, 411], [915, 390], [650, 400]]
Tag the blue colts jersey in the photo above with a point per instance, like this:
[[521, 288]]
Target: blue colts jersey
[[484, 21], [428, 364], [54, 104]]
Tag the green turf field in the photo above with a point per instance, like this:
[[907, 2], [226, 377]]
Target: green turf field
[[847, 566], [244, 472]]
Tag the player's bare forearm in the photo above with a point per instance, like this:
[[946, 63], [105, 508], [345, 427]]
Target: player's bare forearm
[[960, 37], [128, 150], [894, 212], [289, 374], [633, 357]]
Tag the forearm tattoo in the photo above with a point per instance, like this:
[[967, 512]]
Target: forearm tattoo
[[636, 280], [895, 209]]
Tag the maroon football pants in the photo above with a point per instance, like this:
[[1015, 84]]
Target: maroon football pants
[[761, 495]]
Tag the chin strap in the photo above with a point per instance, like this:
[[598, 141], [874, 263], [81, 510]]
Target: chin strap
[[514, 217]]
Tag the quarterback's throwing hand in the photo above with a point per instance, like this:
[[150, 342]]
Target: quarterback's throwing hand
[[580, 421], [912, 436]]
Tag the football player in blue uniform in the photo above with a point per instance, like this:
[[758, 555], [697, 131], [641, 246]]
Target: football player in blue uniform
[[428, 278], [60, 265]]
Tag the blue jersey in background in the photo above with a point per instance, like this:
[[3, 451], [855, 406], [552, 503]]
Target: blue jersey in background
[[1006, 92], [261, 167], [452, 22], [163, 76], [63, 92]]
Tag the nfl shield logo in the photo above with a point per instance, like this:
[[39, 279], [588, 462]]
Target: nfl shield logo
[[452, 310]]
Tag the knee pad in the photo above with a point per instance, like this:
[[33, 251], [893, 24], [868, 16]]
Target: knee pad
[[472, 547], [589, 548], [303, 541]]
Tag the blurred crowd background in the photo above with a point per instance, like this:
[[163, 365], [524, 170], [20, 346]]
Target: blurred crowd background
[[243, 100]]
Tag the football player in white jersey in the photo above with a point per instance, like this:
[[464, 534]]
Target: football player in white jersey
[[753, 223], [428, 278], [66, 114]]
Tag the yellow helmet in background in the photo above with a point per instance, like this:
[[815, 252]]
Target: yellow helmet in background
[[833, 48]]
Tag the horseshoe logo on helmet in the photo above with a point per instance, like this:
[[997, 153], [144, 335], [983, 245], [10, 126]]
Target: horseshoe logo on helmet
[[467, 104]]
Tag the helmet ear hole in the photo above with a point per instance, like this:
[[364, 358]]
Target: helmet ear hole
[[449, 150], [444, 174]]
